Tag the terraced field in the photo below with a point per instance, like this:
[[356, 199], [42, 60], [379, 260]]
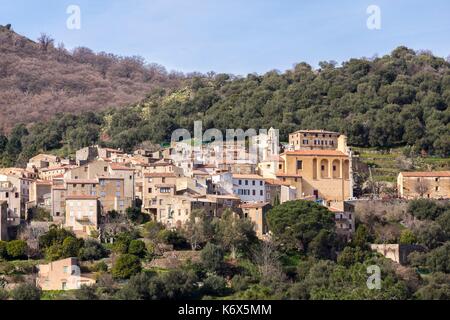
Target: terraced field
[[386, 165]]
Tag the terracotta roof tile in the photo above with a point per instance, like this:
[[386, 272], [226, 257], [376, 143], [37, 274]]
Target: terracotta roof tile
[[426, 174]]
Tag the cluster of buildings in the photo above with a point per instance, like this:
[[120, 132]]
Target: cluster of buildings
[[170, 184]]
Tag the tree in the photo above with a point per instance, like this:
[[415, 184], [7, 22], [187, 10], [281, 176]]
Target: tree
[[176, 285], [17, 249], [26, 291], [349, 256], [234, 234], [296, 223], [54, 236], [322, 246], [212, 257], [270, 269], [126, 266], [430, 234], [135, 215], [71, 247], [407, 237], [92, 250], [86, 293], [3, 142], [362, 237], [214, 285], [137, 288], [422, 187], [45, 41], [438, 259], [137, 248], [425, 209], [436, 288], [198, 229], [3, 250]]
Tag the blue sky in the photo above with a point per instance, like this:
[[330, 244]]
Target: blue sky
[[237, 36]]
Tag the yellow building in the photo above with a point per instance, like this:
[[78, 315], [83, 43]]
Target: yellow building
[[433, 185], [313, 140], [321, 173]]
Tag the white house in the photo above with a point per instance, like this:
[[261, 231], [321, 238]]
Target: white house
[[249, 187]]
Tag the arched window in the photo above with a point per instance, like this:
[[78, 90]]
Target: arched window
[[324, 169], [336, 169]]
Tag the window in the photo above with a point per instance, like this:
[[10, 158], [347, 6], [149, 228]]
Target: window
[[163, 180], [334, 168], [7, 194], [280, 166], [437, 179], [118, 194], [150, 190], [323, 168], [66, 269], [17, 195], [261, 193], [254, 192], [299, 165], [437, 188], [164, 190], [246, 182], [118, 183], [105, 169], [102, 183], [254, 182]]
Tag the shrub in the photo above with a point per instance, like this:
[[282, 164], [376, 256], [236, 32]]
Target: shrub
[[92, 250], [3, 251], [136, 216], [126, 266], [3, 294], [214, 285], [71, 247], [407, 237], [26, 291], [173, 238], [100, 267], [54, 236], [137, 247], [425, 209], [17, 249], [212, 257]]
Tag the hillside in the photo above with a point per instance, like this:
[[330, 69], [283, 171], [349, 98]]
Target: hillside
[[398, 100], [38, 79]]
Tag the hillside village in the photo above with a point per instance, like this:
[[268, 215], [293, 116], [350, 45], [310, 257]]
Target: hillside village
[[100, 193]]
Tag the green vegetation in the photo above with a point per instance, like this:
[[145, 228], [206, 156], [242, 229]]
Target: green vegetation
[[126, 266], [305, 259], [397, 100]]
